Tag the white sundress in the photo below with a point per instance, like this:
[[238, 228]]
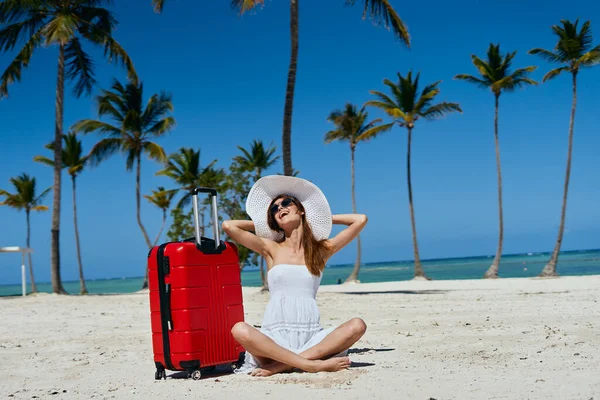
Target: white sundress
[[292, 317]]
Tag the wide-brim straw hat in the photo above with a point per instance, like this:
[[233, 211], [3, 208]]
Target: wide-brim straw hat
[[316, 206]]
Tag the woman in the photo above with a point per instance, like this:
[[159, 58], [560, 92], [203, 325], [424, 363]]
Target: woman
[[292, 221]]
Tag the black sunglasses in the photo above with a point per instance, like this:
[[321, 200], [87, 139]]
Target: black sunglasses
[[285, 203]]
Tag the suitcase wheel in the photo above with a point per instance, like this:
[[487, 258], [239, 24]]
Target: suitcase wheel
[[160, 373], [195, 375]]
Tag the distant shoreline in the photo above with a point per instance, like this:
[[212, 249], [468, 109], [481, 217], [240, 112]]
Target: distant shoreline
[[365, 264]]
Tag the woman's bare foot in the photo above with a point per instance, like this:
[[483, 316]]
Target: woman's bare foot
[[331, 365], [271, 369]]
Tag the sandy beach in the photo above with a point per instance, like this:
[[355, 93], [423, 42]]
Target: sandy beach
[[470, 339]]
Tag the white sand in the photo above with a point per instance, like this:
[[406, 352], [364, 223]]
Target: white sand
[[478, 339]]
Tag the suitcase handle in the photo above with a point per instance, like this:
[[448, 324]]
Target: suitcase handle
[[212, 193]]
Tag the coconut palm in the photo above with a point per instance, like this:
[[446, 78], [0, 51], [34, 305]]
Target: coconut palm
[[66, 24], [406, 107], [257, 160], [380, 11], [161, 198], [135, 125], [25, 198], [574, 50], [74, 161], [351, 126], [184, 168], [497, 77]]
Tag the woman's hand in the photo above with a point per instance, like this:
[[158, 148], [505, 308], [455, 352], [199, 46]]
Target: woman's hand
[[355, 222], [239, 231]]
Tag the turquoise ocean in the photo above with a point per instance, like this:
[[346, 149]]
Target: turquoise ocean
[[570, 263]]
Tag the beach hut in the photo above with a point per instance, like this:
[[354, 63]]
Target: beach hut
[[23, 251]]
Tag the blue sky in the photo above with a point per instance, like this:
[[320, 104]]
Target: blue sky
[[228, 74]]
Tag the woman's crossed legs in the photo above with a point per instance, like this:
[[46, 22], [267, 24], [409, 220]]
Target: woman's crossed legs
[[274, 359]]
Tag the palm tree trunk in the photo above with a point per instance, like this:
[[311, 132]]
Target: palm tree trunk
[[33, 286], [419, 273], [138, 200], [550, 268], [139, 217], [353, 277], [83, 288], [58, 131], [289, 94], [492, 271], [162, 227]]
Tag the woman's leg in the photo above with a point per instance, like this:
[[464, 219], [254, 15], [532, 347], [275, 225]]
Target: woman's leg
[[258, 344], [342, 338]]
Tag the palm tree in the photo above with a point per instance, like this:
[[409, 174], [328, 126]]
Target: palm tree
[[257, 160], [184, 168], [497, 77], [574, 50], [74, 162], [135, 125], [380, 11], [161, 198], [42, 23], [406, 107], [25, 198], [351, 127]]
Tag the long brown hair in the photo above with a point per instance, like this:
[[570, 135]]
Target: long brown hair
[[315, 250]]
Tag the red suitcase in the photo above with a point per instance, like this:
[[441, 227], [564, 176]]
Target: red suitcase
[[195, 299]]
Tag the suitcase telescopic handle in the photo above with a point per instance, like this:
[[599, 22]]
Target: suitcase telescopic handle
[[212, 193]]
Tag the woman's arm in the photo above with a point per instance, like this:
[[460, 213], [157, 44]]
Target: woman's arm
[[355, 222], [239, 231]]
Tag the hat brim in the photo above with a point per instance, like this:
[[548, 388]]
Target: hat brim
[[266, 189]]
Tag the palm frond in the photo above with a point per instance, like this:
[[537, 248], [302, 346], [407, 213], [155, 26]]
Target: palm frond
[[155, 151], [112, 49], [427, 96], [554, 73], [590, 58], [106, 106], [474, 80], [483, 67], [13, 71], [39, 199], [15, 10], [158, 5], [90, 125], [132, 156], [337, 134], [245, 5], [440, 110], [157, 107], [381, 12], [44, 160], [546, 55], [103, 19], [374, 132], [13, 34], [162, 127], [104, 149], [80, 67]]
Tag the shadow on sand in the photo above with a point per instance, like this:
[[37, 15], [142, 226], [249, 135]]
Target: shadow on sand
[[399, 292]]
